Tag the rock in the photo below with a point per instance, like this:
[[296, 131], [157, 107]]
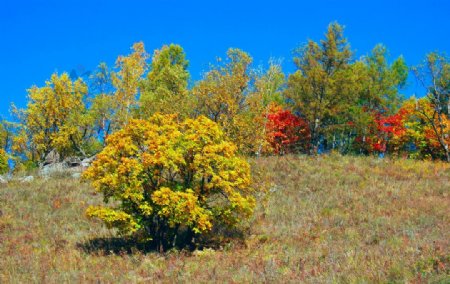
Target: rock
[[69, 167], [3, 180], [26, 179], [72, 162], [52, 158], [86, 163], [52, 169], [76, 175]]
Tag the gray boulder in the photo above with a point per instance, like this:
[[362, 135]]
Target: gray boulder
[[3, 180], [70, 166], [26, 179], [76, 175], [52, 169], [86, 163], [72, 162], [52, 158]]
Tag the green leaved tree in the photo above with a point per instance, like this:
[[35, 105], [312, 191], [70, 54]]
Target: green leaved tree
[[165, 89], [322, 89]]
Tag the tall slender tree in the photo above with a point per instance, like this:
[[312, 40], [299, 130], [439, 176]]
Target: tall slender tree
[[381, 81], [164, 89], [103, 105], [434, 76], [127, 81], [378, 86], [268, 87], [321, 90], [222, 96]]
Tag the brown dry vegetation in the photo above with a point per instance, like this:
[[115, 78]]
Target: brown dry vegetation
[[326, 219]]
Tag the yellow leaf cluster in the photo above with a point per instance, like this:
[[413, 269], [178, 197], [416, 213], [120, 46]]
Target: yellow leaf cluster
[[166, 173], [127, 80], [3, 162], [52, 118], [182, 208], [113, 218]]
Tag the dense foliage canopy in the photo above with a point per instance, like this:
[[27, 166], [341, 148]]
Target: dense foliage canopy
[[338, 102], [169, 177]]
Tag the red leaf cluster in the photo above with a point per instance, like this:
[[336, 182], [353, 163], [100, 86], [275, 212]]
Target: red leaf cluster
[[386, 129], [285, 130]]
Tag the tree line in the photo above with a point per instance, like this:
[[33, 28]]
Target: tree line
[[332, 102]]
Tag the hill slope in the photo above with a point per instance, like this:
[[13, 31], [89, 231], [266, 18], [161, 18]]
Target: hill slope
[[325, 219]]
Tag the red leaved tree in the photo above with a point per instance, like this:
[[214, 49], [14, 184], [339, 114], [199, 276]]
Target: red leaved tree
[[286, 132], [387, 133]]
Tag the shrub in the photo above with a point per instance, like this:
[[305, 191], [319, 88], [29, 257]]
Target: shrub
[[3, 162], [169, 178]]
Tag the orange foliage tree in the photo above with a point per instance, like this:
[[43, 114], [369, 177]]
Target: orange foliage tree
[[429, 131], [388, 133], [434, 111]]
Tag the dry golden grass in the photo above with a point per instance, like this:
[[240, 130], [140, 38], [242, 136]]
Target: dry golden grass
[[325, 219]]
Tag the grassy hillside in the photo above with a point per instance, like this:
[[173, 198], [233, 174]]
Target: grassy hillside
[[326, 219]]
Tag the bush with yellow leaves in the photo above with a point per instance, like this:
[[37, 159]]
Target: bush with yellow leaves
[[3, 162], [168, 178]]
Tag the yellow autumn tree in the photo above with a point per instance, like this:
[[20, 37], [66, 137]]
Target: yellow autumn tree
[[222, 96], [3, 162], [126, 81], [168, 178], [434, 75], [429, 131], [54, 119]]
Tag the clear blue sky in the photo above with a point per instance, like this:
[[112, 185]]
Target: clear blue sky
[[41, 37]]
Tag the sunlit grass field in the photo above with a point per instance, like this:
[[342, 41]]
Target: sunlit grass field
[[323, 219]]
